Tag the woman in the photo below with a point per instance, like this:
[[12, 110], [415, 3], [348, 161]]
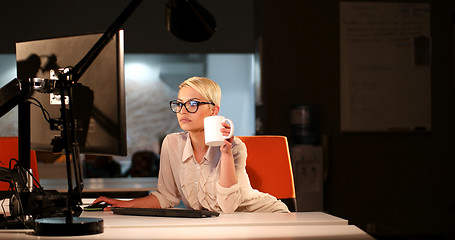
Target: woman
[[212, 178]]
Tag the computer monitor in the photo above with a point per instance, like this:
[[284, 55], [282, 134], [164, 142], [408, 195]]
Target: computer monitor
[[98, 97]]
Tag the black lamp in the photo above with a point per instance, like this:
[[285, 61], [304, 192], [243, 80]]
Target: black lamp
[[185, 19], [189, 21]]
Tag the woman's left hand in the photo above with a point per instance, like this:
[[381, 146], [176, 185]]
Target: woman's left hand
[[226, 148]]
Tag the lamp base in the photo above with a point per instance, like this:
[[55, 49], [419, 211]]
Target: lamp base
[[58, 226]]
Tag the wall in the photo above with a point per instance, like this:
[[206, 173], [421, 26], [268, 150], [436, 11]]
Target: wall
[[391, 184], [233, 72]]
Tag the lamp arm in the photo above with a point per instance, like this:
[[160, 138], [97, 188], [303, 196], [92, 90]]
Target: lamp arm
[[12, 94], [67, 79], [78, 70]]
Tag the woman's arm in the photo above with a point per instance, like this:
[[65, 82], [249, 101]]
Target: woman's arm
[[149, 201], [167, 191], [229, 198], [228, 176]]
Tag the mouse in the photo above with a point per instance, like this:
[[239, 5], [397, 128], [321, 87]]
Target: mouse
[[97, 206]]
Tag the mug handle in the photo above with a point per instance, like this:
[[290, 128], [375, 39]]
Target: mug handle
[[232, 128]]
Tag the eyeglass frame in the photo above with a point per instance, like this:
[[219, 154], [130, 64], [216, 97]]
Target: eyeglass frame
[[184, 105]]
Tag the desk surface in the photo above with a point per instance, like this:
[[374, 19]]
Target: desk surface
[[301, 225], [235, 219]]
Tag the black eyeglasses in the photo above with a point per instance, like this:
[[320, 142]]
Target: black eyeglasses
[[191, 106]]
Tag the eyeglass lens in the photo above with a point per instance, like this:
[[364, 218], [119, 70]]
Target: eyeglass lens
[[191, 106]]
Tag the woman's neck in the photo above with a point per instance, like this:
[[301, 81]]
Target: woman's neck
[[199, 147]]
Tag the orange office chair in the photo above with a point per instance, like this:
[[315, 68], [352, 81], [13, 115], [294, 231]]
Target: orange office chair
[[9, 148], [269, 167]]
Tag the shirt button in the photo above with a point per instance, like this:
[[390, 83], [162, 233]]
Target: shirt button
[[197, 167]]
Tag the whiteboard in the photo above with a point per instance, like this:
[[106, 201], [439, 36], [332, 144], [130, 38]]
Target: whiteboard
[[385, 66]]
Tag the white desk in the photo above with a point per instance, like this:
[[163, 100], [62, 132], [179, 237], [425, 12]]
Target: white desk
[[324, 232], [302, 225], [236, 219]]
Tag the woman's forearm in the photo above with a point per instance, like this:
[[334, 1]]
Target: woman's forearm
[[150, 201], [227, 170]]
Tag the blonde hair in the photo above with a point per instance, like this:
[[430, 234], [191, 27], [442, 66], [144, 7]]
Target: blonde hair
[[206, 87]]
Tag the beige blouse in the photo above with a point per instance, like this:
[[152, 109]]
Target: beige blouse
[[197, 185]]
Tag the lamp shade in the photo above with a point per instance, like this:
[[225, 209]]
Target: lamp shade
[[188, 20]]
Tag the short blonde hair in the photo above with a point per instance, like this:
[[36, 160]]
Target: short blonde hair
[[206, 87]]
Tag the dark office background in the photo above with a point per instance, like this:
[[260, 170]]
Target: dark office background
[[393, 185]]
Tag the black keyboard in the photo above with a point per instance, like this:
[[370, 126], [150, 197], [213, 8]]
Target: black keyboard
[[165, 212]]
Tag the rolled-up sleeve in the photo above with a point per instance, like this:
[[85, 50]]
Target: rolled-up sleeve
[[228, 198]]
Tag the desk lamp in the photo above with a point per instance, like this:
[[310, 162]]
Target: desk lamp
[[185, 19]]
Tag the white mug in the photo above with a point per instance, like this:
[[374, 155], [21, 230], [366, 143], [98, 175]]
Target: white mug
[[212, 130]]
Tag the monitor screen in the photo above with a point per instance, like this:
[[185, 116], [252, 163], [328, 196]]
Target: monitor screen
[[98, 97]]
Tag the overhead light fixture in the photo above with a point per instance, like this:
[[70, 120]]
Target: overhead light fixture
[[189, 20]]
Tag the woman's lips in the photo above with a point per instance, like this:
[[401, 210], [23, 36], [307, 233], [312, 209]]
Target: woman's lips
[[185, 120]]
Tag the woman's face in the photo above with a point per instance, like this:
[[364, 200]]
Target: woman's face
[[193, 122]]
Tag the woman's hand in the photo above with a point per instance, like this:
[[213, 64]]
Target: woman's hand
[[149, 201], [112, 202], [226, 148]]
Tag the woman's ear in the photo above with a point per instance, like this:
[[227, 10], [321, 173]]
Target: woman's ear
[[215, 110]]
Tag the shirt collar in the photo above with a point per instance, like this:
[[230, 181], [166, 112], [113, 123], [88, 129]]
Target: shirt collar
[[188, 149]]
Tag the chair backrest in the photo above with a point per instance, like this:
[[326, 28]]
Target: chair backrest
[[269, 167], [9, 148]]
